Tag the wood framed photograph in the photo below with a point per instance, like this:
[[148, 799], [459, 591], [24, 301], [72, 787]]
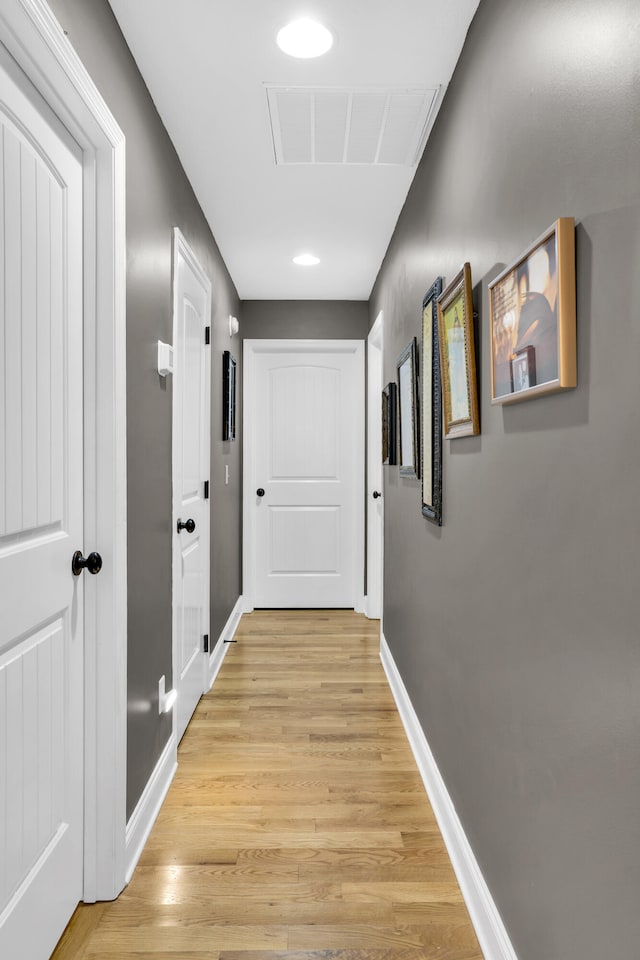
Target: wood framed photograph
[[228, 396], [461, 415], [533, 319], [389, 422], [431, 415], [407, 365]]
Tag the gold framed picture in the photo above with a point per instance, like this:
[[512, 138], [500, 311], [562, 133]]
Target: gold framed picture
[[533, 319], [461, 414]]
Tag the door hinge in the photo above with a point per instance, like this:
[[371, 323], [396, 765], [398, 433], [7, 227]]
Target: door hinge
[[206, 489], [207, 334], [206, 643]]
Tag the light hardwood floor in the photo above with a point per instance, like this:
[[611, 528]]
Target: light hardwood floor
[[297, 827]]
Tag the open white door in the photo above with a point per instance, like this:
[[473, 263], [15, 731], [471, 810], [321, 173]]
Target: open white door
[[191, 447], [304, 473], [41, 521], [375, 500]]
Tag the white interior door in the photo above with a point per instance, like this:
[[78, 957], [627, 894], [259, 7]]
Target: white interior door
[[375, 501], [41, 522], [304, 473], [191, 446]]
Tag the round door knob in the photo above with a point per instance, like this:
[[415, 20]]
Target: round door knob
[[376, 494], [188, 525], [260, 492], [92, 563]]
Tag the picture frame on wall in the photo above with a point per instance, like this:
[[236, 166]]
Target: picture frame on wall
[[228, 396], [408, 433], [389, 425], [533, 319], [461, 413], [431, 414]]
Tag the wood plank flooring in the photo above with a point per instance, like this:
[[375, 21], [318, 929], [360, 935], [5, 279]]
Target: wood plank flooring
[[297, 827]]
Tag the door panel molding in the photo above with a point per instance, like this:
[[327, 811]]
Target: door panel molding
[[36, 41]]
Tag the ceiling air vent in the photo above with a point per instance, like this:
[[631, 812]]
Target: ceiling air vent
[[367, 125]]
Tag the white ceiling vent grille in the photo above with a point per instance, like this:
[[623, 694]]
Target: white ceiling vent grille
[[337, 125]]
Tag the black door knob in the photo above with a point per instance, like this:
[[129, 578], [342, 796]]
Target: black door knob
[[188, 525], [260, 492], [376, 494], [92, 563]]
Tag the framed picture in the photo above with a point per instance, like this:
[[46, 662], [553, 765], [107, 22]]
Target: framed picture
[[523, 369], [389, 421], [461, 415], [407, 365], [431, 415], [533, 319], [228, 396]]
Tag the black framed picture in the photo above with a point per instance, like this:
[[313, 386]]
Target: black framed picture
[[228, 396], [389, 421], [431, 418]]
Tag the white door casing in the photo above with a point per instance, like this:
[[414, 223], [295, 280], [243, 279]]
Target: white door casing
[[304, 446], [375, 505], [191, 467], [41, 520], [37, 43]]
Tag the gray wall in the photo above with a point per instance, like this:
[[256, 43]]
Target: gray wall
[[515, 626], [304, 319], [159, 197]]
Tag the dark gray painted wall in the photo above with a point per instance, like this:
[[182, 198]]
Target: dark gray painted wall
[[304, 319], [515, 626], [159, 197]]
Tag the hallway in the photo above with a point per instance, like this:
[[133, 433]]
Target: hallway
[[297, 826]]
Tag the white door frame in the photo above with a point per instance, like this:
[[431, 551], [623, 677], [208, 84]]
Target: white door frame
[[250, 349], [182, 249], [35, 39], [375, 508]]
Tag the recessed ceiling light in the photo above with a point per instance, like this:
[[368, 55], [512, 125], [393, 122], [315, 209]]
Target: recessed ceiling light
[[304, 39], [306, 260]]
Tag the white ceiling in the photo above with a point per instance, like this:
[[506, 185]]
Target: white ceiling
[[209, 64]]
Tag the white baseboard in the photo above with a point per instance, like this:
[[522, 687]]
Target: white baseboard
[[220, 650], [490, 930], [360, 605], [148, 806]]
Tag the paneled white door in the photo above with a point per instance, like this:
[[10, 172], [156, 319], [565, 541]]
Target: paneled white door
[[304, 476], [191, 453], [41, 522], [375, 501]]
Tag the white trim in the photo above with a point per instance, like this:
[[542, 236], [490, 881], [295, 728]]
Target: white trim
[[37, 42], [148, 806], [250, 349], [221, 648], [490, 930], [360, 606]]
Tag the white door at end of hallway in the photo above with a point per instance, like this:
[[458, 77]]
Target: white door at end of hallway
[[304, 482], [191, 446], [41, 521]]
